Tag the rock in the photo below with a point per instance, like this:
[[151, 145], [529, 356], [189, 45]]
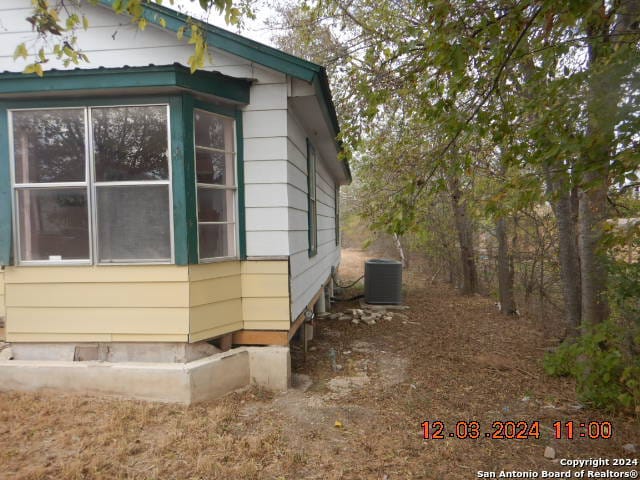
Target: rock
[[387, 317], [6, 354], [346, 352], [355, 321], [312, 349], [549, 452], [338, 367], [402, 316], [301, 382], [369, 321], [334, 316], [629, 448], [344, 317], [323, 315]]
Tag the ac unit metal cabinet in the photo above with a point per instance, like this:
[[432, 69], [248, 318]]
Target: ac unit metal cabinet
[[383, 281]]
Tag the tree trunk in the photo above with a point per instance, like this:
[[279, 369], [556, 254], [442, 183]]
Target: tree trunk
[[564, 203], [403, 257], [464, 229], [505, 270]]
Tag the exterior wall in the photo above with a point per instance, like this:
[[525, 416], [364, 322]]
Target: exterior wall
[[215, 300], [112, 41], [97, 304], [265, 171], [274, 151], [159, 303], [308, 274], [265, 295]]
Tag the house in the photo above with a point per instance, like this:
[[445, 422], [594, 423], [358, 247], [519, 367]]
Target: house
[[147, 212]]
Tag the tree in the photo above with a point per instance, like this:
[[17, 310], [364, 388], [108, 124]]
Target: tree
[[57, 23], [466, 66]]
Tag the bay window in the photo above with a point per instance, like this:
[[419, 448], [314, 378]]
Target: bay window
[[92, 184], [214, 137]]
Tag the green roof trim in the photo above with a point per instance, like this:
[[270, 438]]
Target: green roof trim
[[176, 76], [248, 49]]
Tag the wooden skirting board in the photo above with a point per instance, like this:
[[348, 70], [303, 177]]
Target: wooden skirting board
[[261, 337]]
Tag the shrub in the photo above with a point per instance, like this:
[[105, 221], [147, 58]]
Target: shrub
[[605, 359]]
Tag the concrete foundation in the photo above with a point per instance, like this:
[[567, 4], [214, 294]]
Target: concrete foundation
[[195, 381], [114, 352]]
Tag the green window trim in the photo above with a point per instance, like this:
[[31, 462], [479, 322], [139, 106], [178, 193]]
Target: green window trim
[[185, 227], [175, 77], [312, 201], [6, 214]]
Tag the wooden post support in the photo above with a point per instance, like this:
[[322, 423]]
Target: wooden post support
[[226, 342]]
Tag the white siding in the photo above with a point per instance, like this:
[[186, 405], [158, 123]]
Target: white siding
[[112, 41], [308, 274], [265, 162]]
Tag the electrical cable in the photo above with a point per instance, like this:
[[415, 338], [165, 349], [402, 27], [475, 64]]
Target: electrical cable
[[335, 299], [345, 286]]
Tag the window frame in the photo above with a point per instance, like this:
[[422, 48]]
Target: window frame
[[89, 185], [312, 200], [336, 213], [235, 188]]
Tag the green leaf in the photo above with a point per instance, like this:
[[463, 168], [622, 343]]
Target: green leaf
[[20, 52]]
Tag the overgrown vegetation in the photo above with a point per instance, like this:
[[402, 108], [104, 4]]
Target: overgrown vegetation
[[605, 358], [500, 139]]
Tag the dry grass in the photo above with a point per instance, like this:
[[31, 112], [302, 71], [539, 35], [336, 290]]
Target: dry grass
[[454, 359]]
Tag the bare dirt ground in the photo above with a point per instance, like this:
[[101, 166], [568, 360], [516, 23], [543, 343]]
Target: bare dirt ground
[[452, 359]]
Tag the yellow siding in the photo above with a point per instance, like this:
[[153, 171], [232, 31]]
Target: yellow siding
[[256, 309], [103, 274], [97, 304], [260, 286], [214, 290], [98, 295], [143, 303], [215, 294], [265, 295], [206, 271], [76, 337], [166, 321], [206, 317], [265, 266]]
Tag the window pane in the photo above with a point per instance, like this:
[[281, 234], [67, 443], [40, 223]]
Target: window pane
[[214, 168], [133, 223], [215, 205], [217, 240], [130, 143], [53, 224], [213, 131], [48, 145]]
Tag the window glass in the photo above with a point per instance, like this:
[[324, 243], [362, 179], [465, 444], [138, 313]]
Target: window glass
[[133, 223], [312, 206], [130, 143], [216, 240], [215, 205], [213, 131], [211, 167], [49, 145], [215, 178], [124, 223], [53, 224]]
